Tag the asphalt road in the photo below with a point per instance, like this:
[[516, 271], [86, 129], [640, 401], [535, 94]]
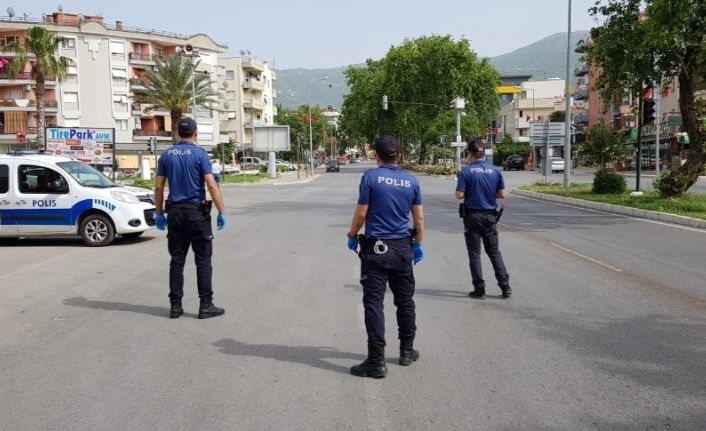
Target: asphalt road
[[606, 330]]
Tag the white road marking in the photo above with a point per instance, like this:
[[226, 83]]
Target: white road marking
[[582, 256]]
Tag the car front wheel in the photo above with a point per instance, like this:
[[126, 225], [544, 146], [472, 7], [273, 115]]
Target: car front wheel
[[97, 230]]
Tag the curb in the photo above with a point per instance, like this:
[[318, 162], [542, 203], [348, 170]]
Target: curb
[[273, 182], [615, 209]]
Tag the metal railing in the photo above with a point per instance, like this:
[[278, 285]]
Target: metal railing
[[151, 132], [26, 103]]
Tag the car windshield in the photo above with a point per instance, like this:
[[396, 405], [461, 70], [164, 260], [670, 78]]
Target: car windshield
[[86, 175]]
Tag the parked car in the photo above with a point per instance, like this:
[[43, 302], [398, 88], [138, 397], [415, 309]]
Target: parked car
[[289, 165], [332, 166], [252, 163], [231, 169], [557, 164], [515, 161]]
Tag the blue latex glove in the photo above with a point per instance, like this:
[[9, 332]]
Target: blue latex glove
[[418, 252], [353, 244], [221, 221], [160, 221]]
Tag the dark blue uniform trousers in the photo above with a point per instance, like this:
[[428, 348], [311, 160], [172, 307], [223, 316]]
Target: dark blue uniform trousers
[[481, 225], [394, 267], [188, 227]]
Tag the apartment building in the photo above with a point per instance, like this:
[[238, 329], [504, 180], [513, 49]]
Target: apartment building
[[107, 62], [532, 101], [247, 98]]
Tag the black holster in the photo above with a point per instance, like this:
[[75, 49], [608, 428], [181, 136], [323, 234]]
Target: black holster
[[462, 210], [206, 209]]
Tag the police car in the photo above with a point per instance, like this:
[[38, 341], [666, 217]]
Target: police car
[[47, 195]]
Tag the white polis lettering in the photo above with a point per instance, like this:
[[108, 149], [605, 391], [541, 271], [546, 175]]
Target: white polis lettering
[[44, 203], [178, 152], [481, 170], [395, 182]]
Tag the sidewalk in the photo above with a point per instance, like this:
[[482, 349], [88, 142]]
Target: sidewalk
[[615, 209]]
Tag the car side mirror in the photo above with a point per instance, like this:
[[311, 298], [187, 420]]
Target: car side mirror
[[59, 185]]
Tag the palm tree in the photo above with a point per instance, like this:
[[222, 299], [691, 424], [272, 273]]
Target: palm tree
[[43, 44], [169, 87]]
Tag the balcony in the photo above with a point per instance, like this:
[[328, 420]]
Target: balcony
[[521, 123], [23, 78], [137, 84], [26, 105], [145, 134], [253, 84], [143, 59], [146, 110], [581, 95], [252, 103], [581, 119], [249, 124], [581, 70], [251, 64]]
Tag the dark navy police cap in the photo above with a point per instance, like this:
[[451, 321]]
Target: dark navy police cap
[[187, 126], [475, 146], [388, 147]]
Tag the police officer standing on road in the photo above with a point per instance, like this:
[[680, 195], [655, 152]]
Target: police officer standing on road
[[387, 251], [186, 167], [479, 185]]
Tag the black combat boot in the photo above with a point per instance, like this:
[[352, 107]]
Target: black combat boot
[[507, 291], [478, 292], [175, 311], [207, 309], [407, 352], [374, 366]]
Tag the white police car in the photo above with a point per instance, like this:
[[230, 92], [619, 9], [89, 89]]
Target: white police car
[[46, 195]]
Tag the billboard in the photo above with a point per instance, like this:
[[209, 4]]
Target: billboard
[[93, 146], [271, 138]]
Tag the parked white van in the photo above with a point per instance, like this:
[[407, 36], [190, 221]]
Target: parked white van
[[46, 195]]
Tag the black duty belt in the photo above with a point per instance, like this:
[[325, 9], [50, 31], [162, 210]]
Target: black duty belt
[[190, 205], [402, 241]]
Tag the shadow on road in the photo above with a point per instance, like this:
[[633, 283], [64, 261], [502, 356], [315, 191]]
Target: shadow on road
[[65, 241], [305, 355], [149, 310], [436, 293]]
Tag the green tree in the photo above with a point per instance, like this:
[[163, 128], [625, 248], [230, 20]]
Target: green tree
[[602, 146], [664, 43], [169, 87], [43, 45], [557, 116], [421, 77], [298, 122]]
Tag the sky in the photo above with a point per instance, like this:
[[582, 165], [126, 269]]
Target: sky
[[320, 34]]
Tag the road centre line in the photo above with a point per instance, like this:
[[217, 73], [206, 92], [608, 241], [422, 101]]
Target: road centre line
[[583, 256]]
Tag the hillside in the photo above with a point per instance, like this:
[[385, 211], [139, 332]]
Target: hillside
[[543, 59]]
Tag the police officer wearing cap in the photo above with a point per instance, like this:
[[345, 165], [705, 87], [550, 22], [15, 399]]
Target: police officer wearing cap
[[387, 252], [187, 169], [479, 185]]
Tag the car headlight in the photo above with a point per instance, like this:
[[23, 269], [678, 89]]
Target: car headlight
[[124, 197]]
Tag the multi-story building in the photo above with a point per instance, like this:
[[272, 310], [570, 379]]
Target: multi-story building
[[247, 98], [107, 61], [532, 101]]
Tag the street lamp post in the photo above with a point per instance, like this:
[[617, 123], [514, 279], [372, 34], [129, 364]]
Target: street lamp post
[[567, 119], [311, 135]]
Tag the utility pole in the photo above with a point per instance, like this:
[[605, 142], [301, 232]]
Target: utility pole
[[567, 116]]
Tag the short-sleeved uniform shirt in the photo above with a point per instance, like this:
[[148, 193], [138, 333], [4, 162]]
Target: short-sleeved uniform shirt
[[390, 194], [480, 182], [184, 165]]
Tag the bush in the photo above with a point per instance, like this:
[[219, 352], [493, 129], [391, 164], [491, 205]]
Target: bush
[[670, 184], [609, 183]]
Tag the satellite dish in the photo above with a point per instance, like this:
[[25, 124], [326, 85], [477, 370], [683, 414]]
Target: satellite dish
[[26, 15], [225, 84], [249, 53], [226, 105], [10, 12], [60, 8], [242, 52]]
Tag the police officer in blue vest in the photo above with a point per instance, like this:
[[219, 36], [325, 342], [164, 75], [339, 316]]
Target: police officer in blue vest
[[387, 252], [187, 169], [479, 185]]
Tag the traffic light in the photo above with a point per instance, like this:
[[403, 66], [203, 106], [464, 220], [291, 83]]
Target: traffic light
[[648, 111], [152, 144]]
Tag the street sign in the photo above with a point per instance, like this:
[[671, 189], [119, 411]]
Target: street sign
[[271, 138], [458, 144], [540, 129]]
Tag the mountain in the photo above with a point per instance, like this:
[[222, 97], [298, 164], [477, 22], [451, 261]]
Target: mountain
[[543, 59]]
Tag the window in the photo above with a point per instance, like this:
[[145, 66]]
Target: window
[[230, 95], [70, 100], [68, 43], [117, 48], [40, 180], [230, 75], [159, 52], [119, 73], [4, 179], [120, 124], [72, 70], [7, 39], [120, 103]]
